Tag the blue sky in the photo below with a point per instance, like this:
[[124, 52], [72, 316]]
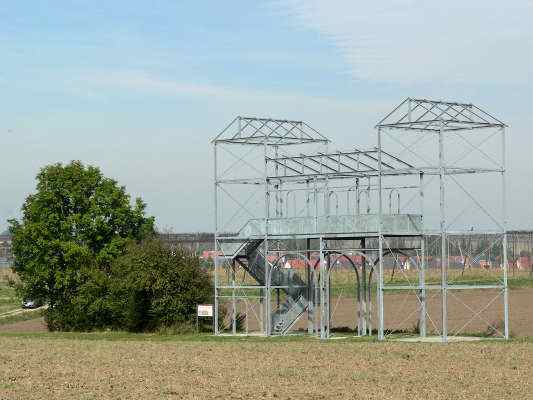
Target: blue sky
[[138, 88]]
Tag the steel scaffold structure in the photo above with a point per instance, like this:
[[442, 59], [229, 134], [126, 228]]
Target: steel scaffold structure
[[292, 200]]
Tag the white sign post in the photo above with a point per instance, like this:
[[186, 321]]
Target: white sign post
[[203, 311]]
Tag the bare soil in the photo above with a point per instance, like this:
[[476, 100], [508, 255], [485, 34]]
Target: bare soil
[[472, 312], [469, 312], [32, 325], [258, 369]]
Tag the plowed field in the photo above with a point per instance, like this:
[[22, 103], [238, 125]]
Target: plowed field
[[45, 368]]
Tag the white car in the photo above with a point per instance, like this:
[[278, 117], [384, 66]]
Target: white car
[[31, 303]]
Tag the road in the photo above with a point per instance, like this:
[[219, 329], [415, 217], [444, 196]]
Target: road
[[19, 311]]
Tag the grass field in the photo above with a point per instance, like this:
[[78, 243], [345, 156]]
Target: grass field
[[344, 279], [9, 300], [113, 366]]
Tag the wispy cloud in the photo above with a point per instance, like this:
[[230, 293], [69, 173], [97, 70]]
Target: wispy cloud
[[329, 115], [410, 41], [156, 85], [147, 82]]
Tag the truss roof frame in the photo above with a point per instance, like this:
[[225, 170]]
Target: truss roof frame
[[249, 130], [338, 164], [436, 115]]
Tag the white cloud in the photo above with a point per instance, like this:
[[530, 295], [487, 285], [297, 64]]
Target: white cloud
[[146, 82], [410, 41], [341, 120], [153, 84]]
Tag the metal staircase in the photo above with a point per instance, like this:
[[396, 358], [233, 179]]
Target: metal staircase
[[295, 289]]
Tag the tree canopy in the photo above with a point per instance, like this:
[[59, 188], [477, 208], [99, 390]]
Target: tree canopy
[[71, 230]]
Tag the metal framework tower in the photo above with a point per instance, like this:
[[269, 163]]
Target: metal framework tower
[[470, 152], [283, 199]]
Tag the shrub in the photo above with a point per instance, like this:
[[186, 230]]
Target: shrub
[[154, 286]]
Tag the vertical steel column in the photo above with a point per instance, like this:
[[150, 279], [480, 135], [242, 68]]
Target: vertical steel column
[[317, 299], [318, 288], [307, 198], [357, 197], [278, 213], [323, 310], [364, 316], [325, 195], [310, 289], [233, 301], [362, 321], [215, 312], [368, 197], [359, 309], [444, 255], [368, 295], [328, 295], [381, 307], [277, 187], [315, 198], [504, 241], [310, 273], [267, 306], [422, 265]]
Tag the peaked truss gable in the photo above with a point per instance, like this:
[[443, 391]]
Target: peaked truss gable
[[433, 115], [257, 131]]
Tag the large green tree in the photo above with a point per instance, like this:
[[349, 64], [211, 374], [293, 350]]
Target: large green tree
[[72, 229]]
